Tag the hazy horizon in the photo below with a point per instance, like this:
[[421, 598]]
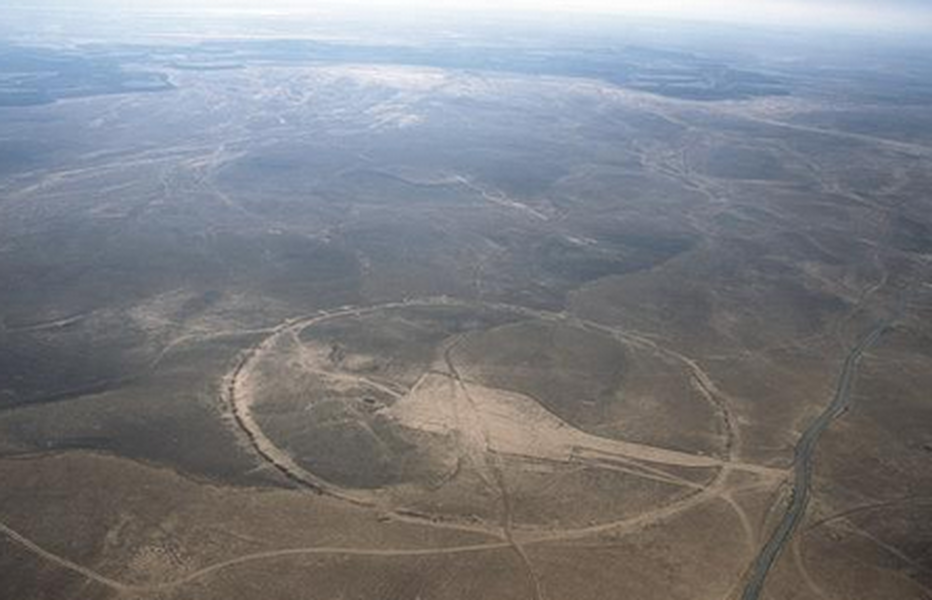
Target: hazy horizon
[[860, 15], [465, 300]]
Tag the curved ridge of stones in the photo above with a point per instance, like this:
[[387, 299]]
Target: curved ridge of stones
[[717, 488], [282, 462]]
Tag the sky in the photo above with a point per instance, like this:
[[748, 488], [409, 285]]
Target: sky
[[860, 14]]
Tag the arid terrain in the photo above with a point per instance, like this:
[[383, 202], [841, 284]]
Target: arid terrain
[[287, 320]]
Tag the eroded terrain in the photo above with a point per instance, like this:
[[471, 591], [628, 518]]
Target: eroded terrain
[[334, 329]]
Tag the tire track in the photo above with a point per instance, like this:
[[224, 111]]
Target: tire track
[[493, 463], [515, 540], [240, 560]]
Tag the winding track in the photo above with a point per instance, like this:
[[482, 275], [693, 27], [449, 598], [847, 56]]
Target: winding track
[[247, 558], [240, 404], [493, 464], [283, 463], [802, 464], [618, 527]]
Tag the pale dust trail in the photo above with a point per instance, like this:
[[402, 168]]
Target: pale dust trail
[[257, 556], [493, 463], [712, 491], [62, 562]]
